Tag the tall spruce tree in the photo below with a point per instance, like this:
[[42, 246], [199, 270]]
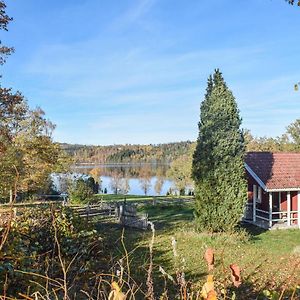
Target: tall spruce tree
[[218, 161]]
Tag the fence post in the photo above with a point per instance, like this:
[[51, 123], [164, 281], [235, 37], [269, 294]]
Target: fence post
[[146, 221], [117, 211], [87, 213], [121, 213]]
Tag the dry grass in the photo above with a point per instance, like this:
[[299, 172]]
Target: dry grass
[[166, 263]]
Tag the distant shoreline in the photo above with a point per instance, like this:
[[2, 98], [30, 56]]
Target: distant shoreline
[[129, 164]]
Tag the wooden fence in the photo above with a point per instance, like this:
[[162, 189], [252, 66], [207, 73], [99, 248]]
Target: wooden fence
[[127, 216], [96, 210]]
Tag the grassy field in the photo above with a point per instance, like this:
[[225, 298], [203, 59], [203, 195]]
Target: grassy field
[[113, 197], [269, 260]]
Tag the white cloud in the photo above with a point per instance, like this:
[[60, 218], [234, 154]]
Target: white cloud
[[133, 16]]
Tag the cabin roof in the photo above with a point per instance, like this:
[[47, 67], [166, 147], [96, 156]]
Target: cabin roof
[[276, 171]]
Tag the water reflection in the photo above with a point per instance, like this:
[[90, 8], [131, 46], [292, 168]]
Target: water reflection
[[137, 179], [131, 170]]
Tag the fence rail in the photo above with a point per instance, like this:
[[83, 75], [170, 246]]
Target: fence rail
[[94, 210], [125, 213]]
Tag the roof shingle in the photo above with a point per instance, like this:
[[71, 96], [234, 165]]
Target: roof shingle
[[276, 170]]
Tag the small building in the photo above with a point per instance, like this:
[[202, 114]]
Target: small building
[[273, 189]]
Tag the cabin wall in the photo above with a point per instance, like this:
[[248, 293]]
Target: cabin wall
[[283, 205], [264, 205], [294, 206], [276, 203]]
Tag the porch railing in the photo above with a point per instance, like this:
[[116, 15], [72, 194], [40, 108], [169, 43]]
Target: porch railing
[[282, 216]]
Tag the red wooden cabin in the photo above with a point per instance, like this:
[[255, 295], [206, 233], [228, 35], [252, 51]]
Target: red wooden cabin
[[273, 189]]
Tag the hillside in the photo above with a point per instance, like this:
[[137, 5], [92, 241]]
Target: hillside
[[160, 153]]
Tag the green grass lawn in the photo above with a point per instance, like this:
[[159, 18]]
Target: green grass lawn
[[118, 197], [268, 259]]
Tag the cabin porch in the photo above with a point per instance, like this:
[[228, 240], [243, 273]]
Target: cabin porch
[[273, 209]]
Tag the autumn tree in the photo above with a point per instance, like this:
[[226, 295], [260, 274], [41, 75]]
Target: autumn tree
[[218, 160], [145, 179], [181, 171], [292, 2], [96, 173], [293, 132], [12, 110], [4, 21], [26, 145], [287, 142], [160, 179], [116, 181], [125, 185]]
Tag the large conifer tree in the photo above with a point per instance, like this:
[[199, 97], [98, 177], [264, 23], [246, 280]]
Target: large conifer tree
[[218, 166]]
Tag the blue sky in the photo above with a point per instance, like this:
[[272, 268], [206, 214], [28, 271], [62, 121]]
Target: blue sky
[[135, 71]]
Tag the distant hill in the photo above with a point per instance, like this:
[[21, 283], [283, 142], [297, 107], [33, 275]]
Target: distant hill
[[159, 153]]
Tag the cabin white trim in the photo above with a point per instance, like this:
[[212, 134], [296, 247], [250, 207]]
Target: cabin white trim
[[259, 195], [288, 200], [258, 180], [270, 209], [279, 200], [284, 190], [254, 201], [298, 206]]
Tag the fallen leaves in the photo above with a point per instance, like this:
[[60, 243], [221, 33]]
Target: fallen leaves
[[116, 293], [208, 287], [235, 275], [208, 292]]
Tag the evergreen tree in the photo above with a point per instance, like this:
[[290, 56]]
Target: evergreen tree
[[218, 165]]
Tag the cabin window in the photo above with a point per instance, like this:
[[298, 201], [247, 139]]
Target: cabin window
[[259, 195]]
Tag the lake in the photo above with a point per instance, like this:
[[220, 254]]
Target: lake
[[136, 179]]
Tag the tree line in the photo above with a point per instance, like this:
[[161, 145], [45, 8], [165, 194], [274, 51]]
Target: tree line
[[287, 142], [160, 153], [169, 152]]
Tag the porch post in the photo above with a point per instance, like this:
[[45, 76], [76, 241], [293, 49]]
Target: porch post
[[270, 208], [298, 206], [288, 208], [254, 202], [279, 200]]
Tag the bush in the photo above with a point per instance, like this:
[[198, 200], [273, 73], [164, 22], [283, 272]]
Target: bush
[[80, 192], [31, 248]]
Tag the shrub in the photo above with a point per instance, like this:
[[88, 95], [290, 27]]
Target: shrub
[[80, 192]]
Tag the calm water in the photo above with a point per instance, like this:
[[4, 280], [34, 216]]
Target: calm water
[[137, 177], [135, 186]]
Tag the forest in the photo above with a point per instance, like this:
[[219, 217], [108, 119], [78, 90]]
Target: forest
[[167, 153], [160, 153]]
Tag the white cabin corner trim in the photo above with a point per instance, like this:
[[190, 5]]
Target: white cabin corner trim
[[257, 179]]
